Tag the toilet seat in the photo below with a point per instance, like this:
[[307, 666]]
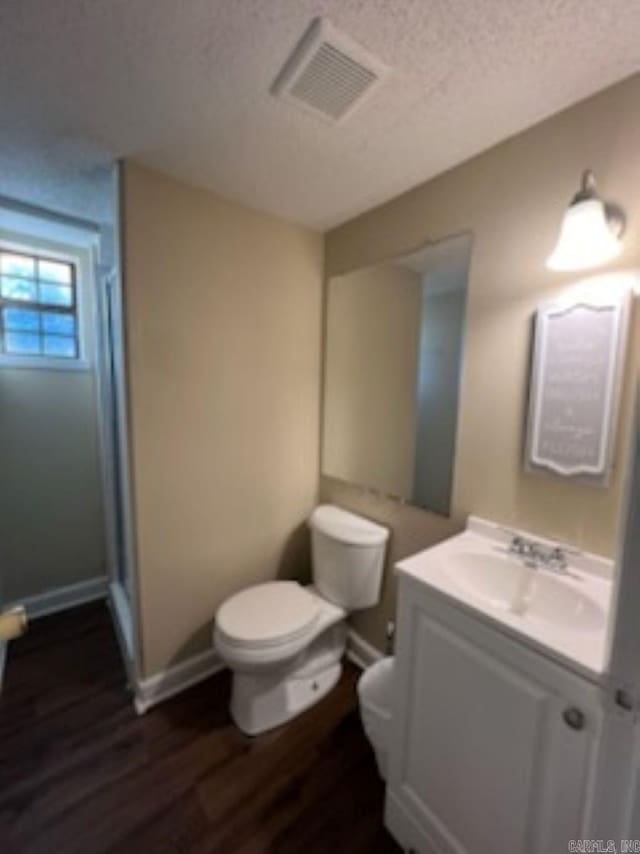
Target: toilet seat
[[267, 615]]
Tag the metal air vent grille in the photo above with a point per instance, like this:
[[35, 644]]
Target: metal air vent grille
[[328, 73]]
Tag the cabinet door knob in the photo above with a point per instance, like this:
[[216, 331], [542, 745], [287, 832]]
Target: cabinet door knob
[[573, 717]]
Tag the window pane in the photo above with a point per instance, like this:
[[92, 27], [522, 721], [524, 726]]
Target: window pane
[[20, 319], [55, 294], [30, 289], [59, 324], [53, 271], [12, 288], [17, 265], [22, 343], [56, 345]]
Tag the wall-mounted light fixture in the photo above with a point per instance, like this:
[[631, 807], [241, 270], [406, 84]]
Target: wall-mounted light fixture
[[590, 232]]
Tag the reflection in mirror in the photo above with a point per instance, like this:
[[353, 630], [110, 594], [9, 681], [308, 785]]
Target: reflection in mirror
[[392, 373]]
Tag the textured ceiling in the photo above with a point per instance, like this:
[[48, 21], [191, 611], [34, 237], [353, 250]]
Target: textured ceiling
[[183, 85]]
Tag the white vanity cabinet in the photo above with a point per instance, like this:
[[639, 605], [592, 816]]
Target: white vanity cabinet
[[493, 745]]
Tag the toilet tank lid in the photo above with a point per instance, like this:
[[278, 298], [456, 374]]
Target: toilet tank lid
[[347, 527]]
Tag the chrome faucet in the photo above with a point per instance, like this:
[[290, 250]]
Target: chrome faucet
[[524, 549], [537, 556], [555, 560]]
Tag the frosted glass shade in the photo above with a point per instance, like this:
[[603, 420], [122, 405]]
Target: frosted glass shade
[[586, 238]]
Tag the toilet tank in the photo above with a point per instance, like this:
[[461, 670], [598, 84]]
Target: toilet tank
[[348, 557]]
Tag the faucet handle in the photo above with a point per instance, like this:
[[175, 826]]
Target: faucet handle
[[517, 545], [557, 559], [520, 546]]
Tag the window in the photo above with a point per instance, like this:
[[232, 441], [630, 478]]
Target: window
[[38, 306]]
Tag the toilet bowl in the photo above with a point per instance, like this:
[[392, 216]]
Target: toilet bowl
[[284, 642]]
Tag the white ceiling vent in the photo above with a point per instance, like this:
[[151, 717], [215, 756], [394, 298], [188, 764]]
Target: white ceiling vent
[[328, 73]]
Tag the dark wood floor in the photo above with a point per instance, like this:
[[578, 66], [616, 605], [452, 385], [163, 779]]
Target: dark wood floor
[[81, 772]]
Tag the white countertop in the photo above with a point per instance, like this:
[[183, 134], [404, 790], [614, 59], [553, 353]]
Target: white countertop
[[570, 622]]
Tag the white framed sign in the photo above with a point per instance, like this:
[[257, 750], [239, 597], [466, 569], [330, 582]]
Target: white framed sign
[[578, 361]]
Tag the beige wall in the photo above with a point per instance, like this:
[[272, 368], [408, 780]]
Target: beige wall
[[511, 198], [51, 514], [223, 326], [372, 334]]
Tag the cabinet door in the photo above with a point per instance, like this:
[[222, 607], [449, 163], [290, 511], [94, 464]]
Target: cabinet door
[[482, 757]]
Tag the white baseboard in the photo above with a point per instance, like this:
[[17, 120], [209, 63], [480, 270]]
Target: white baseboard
[[360, 651], [167, 683], [63, 598], [159, 687]]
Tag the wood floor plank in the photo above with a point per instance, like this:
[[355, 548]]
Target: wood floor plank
[[81, 772]]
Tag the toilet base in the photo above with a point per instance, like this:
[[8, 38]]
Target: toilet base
[[262, 701]]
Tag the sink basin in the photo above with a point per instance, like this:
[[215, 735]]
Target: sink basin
[[495, 579], [503, 582], [564, 615]]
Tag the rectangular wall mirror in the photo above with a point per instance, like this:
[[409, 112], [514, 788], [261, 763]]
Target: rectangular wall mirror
[[393, 354]]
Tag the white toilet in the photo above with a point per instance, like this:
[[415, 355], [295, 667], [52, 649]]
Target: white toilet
[[284, 642]]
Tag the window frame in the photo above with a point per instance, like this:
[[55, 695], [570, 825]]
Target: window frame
[[76, 310]]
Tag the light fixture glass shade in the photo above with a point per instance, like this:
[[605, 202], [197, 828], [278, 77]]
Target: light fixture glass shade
[[586, 238]]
